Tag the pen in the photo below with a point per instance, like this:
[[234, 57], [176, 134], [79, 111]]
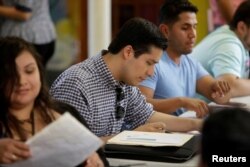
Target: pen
[[139, 138], [167, 131], [129, 165]]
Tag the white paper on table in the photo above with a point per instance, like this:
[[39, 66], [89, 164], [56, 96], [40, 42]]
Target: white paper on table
[[244, 100], [188, 114], [152, 139], [228, 105], [63, 143]]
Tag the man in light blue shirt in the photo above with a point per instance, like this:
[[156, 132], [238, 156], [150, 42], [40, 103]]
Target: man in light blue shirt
[[225, 52], [177, 77], [175, 81]]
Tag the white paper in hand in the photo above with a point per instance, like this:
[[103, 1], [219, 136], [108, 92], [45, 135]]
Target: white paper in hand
[[65, 143]]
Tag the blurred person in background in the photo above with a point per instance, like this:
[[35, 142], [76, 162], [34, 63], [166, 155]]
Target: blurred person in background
[[227, 8], [30, 20], [224, 53]]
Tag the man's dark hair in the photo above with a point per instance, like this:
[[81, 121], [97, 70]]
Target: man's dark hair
[[226, 133], [170, 10], [141, 34], [242, 14]]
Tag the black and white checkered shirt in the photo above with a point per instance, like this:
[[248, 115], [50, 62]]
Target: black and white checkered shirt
[[90, 87]]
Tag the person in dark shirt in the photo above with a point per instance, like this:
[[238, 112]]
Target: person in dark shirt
[[226, 139]]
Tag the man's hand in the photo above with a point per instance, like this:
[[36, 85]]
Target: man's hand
[[153, 127], [197, 105], [220, 88]]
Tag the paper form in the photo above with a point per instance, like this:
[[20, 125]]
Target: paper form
[[150, 138], [63, 143]]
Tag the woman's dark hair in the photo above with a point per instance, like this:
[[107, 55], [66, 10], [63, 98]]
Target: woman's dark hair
[[242, 14], [170, 10], [11, 48], [141, 34], [226, 133]]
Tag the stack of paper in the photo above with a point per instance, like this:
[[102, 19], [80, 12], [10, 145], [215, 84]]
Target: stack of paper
[[213, 107], [228, 105], [64, 143], [150, 139], [244, 100]]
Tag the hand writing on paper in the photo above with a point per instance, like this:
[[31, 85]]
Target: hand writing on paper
[[12, 151], [220, 88], [152, 127]]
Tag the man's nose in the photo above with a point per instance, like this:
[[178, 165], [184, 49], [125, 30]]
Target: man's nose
[[150, 71]]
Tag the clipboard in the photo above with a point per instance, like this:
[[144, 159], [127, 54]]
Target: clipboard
[[152, 139], [162, 154]]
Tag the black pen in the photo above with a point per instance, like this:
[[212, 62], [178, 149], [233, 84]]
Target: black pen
[[129, 165]]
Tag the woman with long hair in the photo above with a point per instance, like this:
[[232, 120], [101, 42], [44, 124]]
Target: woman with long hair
[[26, 106]]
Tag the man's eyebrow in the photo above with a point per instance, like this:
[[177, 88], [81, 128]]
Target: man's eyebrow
[[188, 24], [154, 61]]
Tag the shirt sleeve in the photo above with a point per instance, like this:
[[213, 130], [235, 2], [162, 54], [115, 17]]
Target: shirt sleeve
[[227, 59], [201, 71], [68, 90], [138, 111]]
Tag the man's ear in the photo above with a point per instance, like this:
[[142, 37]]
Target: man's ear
[[128, 52], [242, 28], [164, 29]]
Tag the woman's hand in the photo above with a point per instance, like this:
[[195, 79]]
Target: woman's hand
[[12, 151], [94, 161]]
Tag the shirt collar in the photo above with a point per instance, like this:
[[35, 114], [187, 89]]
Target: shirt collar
[[104, 72]]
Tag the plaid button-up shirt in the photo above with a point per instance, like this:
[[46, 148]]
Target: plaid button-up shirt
[[90, 87]]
